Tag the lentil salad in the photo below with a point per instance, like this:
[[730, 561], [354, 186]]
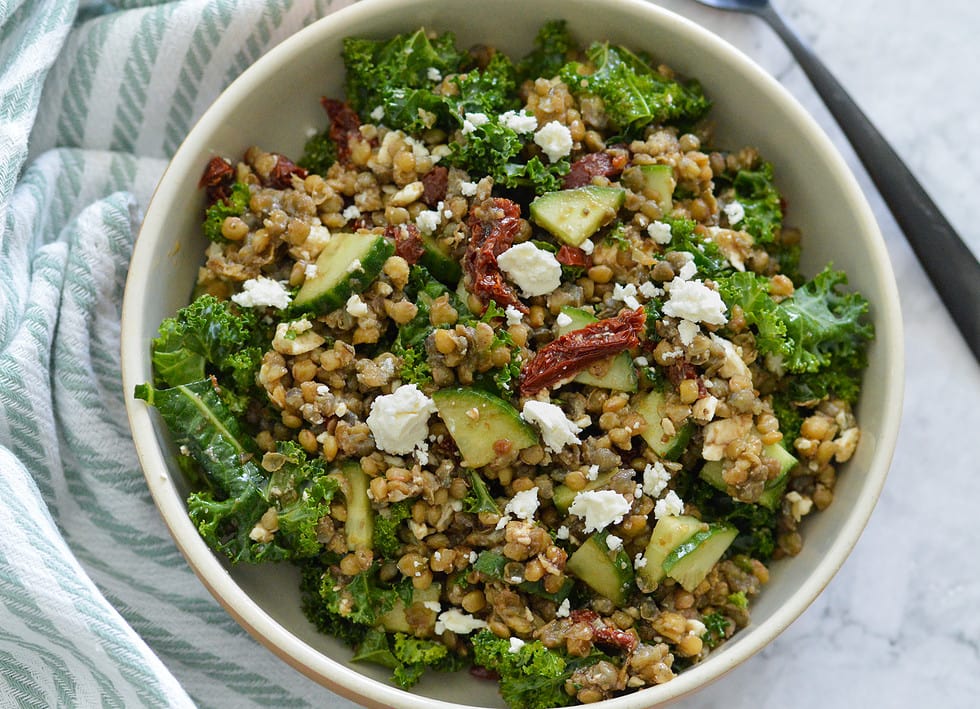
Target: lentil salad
[[518, 368]]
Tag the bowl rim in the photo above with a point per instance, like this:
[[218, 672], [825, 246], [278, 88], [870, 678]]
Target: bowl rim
[[341, 678]]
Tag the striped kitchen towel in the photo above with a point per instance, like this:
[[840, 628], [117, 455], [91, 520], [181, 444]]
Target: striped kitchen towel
[[97, 606]]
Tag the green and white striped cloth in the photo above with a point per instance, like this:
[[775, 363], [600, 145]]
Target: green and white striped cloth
[[97, 606]]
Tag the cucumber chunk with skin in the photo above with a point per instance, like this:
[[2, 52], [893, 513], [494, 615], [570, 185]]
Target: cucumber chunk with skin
[[572, 216], [669, 532], [616, 372], [438, 261], [668, 446], [654, 182], [359, 527], [772, 495], [484, 426], [690, 561], [348, 264], [608, 573]]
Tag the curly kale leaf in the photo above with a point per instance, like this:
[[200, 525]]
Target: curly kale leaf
[[319, 613], [756, 191], [553, 45], [755, 523], [319, 153], [239, 493], [490, 90], [409, 657], [707, 256], [386, 542], [233, 206], [633, 93], [479, 499], [715, 628], [362, 599]]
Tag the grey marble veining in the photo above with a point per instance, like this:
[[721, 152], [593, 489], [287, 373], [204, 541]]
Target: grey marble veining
[[899, 626]]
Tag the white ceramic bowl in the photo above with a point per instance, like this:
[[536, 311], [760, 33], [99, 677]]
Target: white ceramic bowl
[[750, 108]]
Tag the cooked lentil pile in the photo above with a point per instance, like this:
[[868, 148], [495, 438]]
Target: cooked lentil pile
[[516, 364]]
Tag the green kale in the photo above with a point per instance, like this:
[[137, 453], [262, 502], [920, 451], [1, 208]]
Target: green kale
[[553, 47], [478, 499], [492, 565], [234, 206], [239, 491], [738, 600], [789, 415], [534, 676], [756, 525], [318, 613], [319, 153], [386, 542], [616, 236], [490, 90], [633, 93], [415, 368], [707, 256], [716, 625], [362, 599], [750, 292], [756, 191], [409, 657]]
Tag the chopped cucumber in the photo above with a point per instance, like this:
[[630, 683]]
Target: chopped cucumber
[[396, 620], [619, 373], [359, 526], [670, 532], [772, 495], [484, 426], [348, 264], [572, 216], [564, 495], [690, 561], [608, 573], [438, 261], [667, 446], [654, 182]]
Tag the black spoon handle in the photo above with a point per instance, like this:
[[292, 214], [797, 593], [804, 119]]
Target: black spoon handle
[[946, 259]]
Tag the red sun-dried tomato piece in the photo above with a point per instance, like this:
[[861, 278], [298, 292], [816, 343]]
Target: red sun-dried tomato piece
[[281, 175], [569, 354], [493, 225], [408, 241], [434, 184], [217, 179], [344, 125], [602, 164], [573, 256]]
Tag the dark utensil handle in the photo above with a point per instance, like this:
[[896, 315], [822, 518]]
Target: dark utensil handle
[[945, 257]]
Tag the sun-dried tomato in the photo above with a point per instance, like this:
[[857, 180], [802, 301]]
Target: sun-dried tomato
[[493, 225], [281, 175], [679, 371], [622, 639], [408, 241], [569, 354], [218, 177], [602, 164], [344, 125], [573, 256], [434, 184]]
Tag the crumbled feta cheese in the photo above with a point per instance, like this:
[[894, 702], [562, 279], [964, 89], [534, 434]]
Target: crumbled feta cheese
[[735, 212], [648, 290], [355, 265], [733, 364], [639, 561], [613, 542], [641, 361], [599, 508], [687, 330], [473, 557], [563, 320], [523, 504], [592, 473], [688, 271], [587, 246], [458, 622], [467, 189], [433, 606], [637, 491], [400, 421], [357, 307], [378, 113], [655, 478], [555, 140], [351, 212], [428, 220], [660, 232], [310, 271], [514, 316], [669, 505], [561, 532], [261, 292], [695, 627], [472, 121], [535, 271], [696, 302], [564, 610], [518, 121], [433, 74], [556, 430], [317, 238], [626, 294], [515, 645], [799, 505]]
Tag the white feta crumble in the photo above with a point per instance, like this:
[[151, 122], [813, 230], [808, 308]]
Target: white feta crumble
[[433, 74], [467, 189], [523, 504], [687, 330], [613, 542], [473, 557], [400, 421], [592, 473], [696, 302], [535, 271], [562, 532], [472, 121], [518, 121], [563, 320], [733, 364], [587, 246], [355, 265], [626, 294], [660, 232], [428, 220], [356, 307], [641, 361], [735, 212], [514, 316], [556, 430], [655, 479], [639, 561], [433, 606], [599, 508], [261, 292], [515, 645], [564, 610], [799, 505], [669, 505], [637, 491], [555, 140], [458, 622], [351, 212], [502, 522], [648, 290], [310, 271], [688, 271], [378, 113]]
